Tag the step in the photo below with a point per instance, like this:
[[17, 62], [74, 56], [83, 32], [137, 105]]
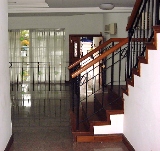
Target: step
[[100, 138], [108, 101], [101, 118]]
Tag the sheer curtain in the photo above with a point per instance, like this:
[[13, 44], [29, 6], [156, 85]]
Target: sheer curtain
[[42, 60], [14, 54]]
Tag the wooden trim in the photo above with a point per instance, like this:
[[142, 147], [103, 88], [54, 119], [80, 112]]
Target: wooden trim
[[156, 30], [95, 50], [127, 143], [9, 143], [141, 40], [102, 46], [101, 138], [106, 138], [86, 35], [134, 13], [105, 54]]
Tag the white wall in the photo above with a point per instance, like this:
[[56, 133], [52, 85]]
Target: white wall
[[121, 19], [78, 24], [142, 106], [5, 104], [116, 126]]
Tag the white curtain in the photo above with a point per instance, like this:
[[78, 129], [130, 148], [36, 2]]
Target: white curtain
[[42, 60], [14, 55]]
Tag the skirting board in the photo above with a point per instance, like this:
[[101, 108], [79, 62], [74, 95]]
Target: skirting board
[[106, 138], [9, 143], [127, 143]]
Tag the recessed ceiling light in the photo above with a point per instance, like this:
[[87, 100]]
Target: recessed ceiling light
[[106, 6]]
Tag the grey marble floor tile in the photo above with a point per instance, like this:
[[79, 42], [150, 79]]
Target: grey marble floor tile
[[41, 122]]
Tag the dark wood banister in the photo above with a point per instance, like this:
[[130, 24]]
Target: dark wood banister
[[134, 13], [95, 50], [105, 54]]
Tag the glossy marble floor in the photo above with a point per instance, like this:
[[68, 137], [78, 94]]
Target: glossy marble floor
[[41, 120]]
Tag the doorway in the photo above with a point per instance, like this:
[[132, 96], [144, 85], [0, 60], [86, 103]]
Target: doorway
[[79, 46]]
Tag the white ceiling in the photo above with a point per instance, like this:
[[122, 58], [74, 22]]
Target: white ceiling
[[65, 7], [88, 3]]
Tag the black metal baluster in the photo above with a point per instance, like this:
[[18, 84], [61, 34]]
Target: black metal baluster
[[157, 21], [33, 78], [73, 92], [38, 75], [144, 33], [49, 76], [22, 73], [130, 33], [141, 42], [148, 18], [99, 75], [94, 88], [65, 74], [17, 82], [86, 90], [78, 101], [93, 78], [152, 16], [112, 72], [103, 88], [119, 85], [60, 82], [134, 44], [131, 56]]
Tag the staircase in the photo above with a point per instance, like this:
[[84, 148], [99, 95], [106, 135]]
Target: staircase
[[104, 100], [98, 116]]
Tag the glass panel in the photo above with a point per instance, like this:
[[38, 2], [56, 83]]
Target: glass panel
[[42, 50], [75, 50]]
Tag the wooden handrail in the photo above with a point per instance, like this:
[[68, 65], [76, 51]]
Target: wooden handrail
[[134, 13], [105, 54], [141, 39], [95, 50]]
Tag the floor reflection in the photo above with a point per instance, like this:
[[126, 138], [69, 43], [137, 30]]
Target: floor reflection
[[40, 116]]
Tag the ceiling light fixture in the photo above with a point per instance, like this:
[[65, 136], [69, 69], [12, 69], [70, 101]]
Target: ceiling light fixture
[[106, 6]]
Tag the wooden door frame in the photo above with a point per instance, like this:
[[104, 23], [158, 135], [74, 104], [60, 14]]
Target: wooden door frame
[[79, 35]]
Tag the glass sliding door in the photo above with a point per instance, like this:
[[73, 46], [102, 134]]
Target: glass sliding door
[[37, 56]]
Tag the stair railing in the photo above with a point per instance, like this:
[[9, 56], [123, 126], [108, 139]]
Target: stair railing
[[98, 50], [144, 16], [94, 77]]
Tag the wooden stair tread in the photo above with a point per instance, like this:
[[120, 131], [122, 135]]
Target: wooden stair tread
[[91, 113], [125, 90], [109, 102], [142, 60], [150, 46], [136, 71], [100, 138], [86, 131], [130, 81], [82, 127], [116, 89], [156, 28]]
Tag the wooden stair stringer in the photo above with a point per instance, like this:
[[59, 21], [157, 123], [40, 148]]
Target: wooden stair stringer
[[81, 132], [137, 71], [88, 136]]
